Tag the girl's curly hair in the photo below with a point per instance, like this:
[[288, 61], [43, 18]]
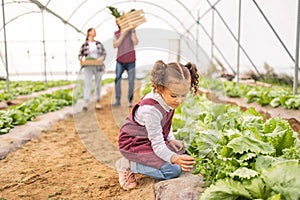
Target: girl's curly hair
[[163, 74]]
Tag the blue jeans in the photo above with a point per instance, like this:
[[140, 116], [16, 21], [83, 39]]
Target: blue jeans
[[120, 68], [167, 171]]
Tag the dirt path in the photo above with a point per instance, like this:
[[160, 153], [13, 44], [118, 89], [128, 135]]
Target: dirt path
[[74, 160]]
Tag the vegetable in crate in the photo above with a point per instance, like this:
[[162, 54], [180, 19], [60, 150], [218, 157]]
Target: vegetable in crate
[[114, 11]]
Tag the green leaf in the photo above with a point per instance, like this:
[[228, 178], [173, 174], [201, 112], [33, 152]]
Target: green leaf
[[90, 58], [264, 162], [257, 188], [251, 121], [244, 144], [244, 173], [225, 189], [275, 197], [275, 102], [247, 156], [177, 122], [292, 152], [226, 152], [284, 178], [252, 95], [17, 116], [293, 103], [114, 11], [279, 133]]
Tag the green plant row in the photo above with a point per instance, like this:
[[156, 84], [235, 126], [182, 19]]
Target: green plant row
[[18, 88], [28, 110], [107, 81], [241, 155], [274, 96]]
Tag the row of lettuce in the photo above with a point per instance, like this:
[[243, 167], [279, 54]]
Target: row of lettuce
[[28, 110], [273, 96], [18, 88], [240, 154]]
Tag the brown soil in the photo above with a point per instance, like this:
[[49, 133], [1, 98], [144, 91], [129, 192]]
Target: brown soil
[[73, 160]]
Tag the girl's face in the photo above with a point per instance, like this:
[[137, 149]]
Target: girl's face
[[175, 93]]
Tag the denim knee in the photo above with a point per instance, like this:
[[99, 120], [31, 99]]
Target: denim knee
[[170, 170]]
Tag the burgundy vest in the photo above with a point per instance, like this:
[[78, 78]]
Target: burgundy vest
[[133, 139]]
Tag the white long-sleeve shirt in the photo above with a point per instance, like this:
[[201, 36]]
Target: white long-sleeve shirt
[[150, 117]]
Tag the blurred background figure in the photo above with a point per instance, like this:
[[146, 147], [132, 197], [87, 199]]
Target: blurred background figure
[[92, 49], [126, 57]]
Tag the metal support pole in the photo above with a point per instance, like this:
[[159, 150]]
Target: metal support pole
[[66, 54], [273, 29], [297, 52], [233, 35], [44, 46], [239, 42], [197, 36], [212, 41], [178, 50], [5, 48]]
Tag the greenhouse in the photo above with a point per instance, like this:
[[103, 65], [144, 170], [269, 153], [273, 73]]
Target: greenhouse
[[208, 107]]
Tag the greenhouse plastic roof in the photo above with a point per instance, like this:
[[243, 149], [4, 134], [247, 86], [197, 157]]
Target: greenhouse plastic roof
[[46, 34]]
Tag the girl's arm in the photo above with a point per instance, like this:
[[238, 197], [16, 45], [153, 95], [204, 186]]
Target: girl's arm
[[176, 144], [150, 117]]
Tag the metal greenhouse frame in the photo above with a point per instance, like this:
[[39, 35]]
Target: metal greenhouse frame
[[194, 18]]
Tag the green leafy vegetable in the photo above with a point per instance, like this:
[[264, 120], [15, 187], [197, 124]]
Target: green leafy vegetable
[[114, 11], [237, 152], [248, 144], [225, 189], [284, 178]]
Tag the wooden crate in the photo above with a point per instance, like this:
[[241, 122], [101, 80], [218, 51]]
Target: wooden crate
[[128, 20], [91, 62]]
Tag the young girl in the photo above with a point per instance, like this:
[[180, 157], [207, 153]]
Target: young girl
[[145, 139]]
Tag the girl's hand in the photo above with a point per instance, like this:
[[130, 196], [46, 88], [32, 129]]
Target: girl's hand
[[176, 144], [185, 162]]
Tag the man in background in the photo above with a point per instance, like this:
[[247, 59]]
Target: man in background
[[126, 57]]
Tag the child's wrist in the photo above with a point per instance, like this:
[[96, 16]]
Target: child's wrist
[[174, 158]]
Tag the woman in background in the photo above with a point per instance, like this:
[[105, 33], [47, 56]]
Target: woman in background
[[92, 49]]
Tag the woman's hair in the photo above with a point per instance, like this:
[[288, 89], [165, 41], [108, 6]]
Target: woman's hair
[[87, 33], [163, 74]]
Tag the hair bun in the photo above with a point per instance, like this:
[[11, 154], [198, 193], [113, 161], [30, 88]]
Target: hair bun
[[188, 65], [160, 62]]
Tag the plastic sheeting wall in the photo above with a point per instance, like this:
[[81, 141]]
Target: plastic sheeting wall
[[189, 22]]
